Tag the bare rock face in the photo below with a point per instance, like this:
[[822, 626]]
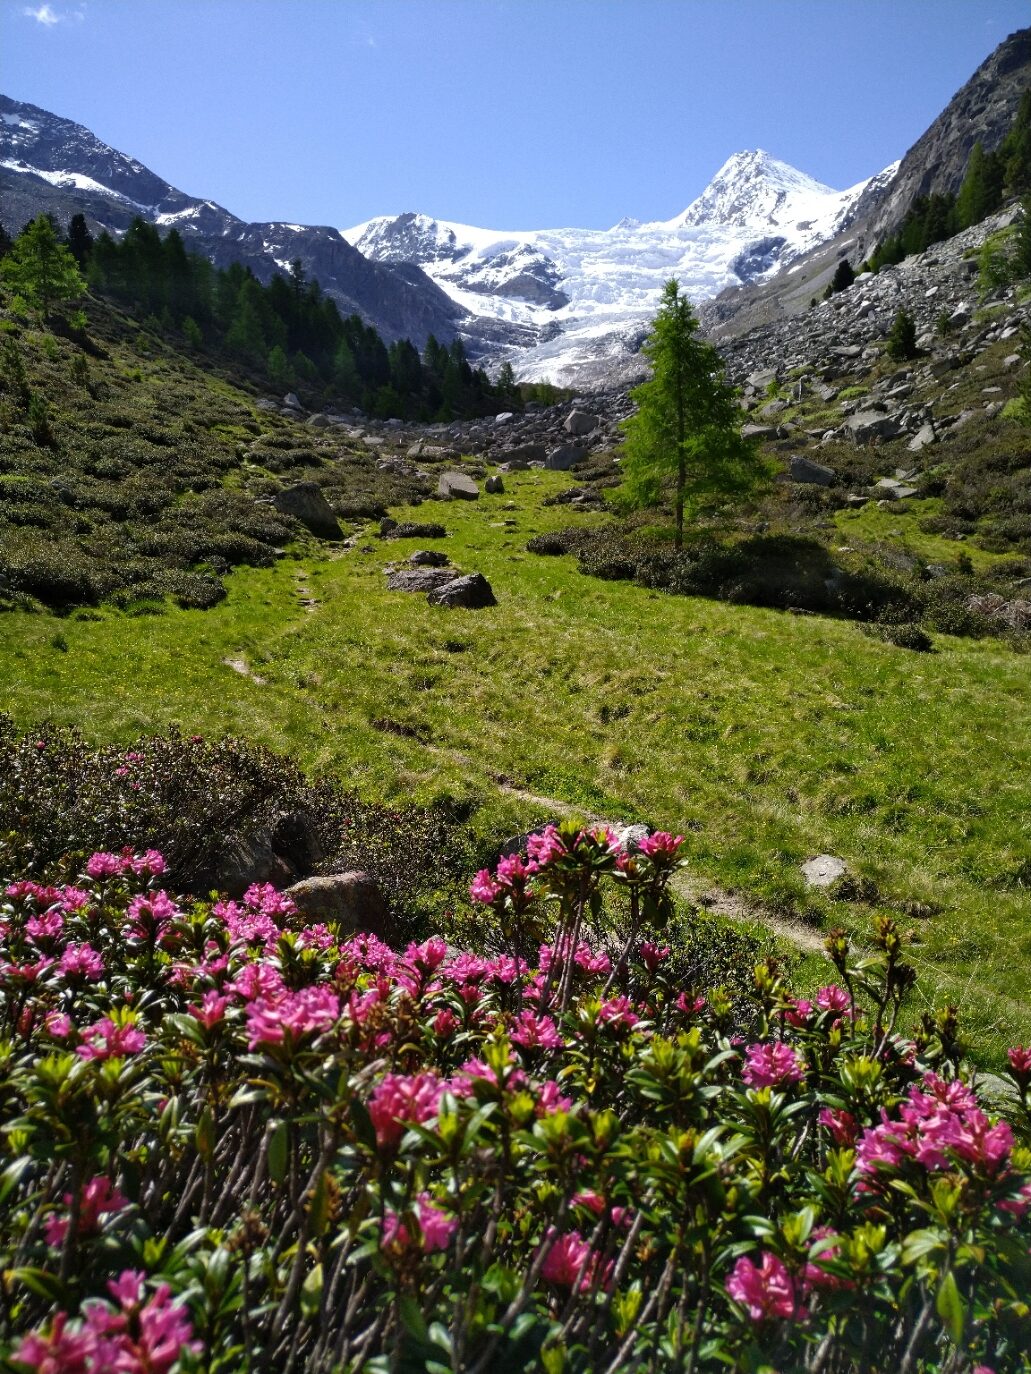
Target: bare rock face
[[472, 593], [278, 852], [306, 502], [351, 902], [419, 579], [456, 486]]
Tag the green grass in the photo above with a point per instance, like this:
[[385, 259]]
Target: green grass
[[900, 528], [764, 737]]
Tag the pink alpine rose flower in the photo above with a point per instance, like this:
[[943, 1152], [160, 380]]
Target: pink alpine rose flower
[[399, 1100], [484, 889], [833, 998], [772, 1064], [570, 1262], [81, 963], [106, 1040], [767, 1292], [104, 865], [309, 1011], [435, 1227]]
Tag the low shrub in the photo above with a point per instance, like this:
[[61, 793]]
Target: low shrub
[[240, 1141]]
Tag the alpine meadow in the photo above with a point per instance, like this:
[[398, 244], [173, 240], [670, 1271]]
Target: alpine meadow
[[515, 753]]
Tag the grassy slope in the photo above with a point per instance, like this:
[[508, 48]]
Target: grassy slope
[[766, 737]]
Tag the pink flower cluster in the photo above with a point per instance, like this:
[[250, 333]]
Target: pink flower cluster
[[102, 865], [436, 1228], [400, 1100], [570, 1262], [767, 1291], [939, 1123], [97, 1199], [772, 1064], [139, 1335], [291, 1016]]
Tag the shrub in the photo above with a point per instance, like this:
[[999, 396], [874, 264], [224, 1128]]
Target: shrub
[[905, 636], [902, 339], [244, 1142], [39, 419]]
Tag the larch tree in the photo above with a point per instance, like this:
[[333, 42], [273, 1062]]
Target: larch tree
[[40, 268], [684, 442]]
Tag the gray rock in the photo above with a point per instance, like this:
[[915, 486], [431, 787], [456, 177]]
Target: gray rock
[[868, 425], [306, 502], [504, 418], [348, 902], [896, 490], [824, 870], [415, 450], [579, 422], [564, 457], [419, 579], [518, 458], [456, 486], [924, 436], [801, 469], [387, 525], [471, 592], [758, 432], [494, 486], [428, 558], [291, 402], [319, 421]]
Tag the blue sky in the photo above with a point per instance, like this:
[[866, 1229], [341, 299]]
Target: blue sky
[[504, 113]]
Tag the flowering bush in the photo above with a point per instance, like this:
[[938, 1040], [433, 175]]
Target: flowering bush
[[235, 1141]]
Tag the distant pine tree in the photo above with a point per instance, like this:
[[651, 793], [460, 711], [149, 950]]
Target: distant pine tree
[[902, 339], [844, 276], [5, 242], [981, 192], [80, 240]]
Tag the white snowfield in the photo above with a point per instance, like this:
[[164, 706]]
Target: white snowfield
[[599, 287]]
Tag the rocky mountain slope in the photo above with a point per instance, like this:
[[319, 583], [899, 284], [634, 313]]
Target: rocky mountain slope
[[983, 109], [52, 164], [583, 296]]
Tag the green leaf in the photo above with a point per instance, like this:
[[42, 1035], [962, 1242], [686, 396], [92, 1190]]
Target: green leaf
[[949, 1306], [41, 1282], [411, 1317]]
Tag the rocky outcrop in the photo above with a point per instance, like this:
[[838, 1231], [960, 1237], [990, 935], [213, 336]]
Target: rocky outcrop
[[306, 503], [457, 486], [350, 903], [472, 592]]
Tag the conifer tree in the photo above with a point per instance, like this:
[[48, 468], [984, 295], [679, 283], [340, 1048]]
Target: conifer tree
[[685, 440], [80, 240], [40, 268], [902, 339], [844, 276], [981, 192]]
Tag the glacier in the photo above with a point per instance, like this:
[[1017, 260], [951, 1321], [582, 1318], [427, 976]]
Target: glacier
[[578, 296]]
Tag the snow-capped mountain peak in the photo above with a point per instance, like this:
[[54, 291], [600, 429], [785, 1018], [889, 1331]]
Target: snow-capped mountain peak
[[752, 188], [569, 297]]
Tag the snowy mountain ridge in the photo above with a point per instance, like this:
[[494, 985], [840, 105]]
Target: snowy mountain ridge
[[580, 294]]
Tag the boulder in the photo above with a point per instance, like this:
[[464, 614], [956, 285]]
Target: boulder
[[428, 558], [518, 458], [456, 486], [801, 469], [758, 432], [564, 457], [415, 450], [305, 502], [291, 402], [824, 870], [925, 435], [319, 421], [494, 486], [504, 418], [419, 579], [579, 422], [348, 902], [387, 525], [869, 425], [471, 592], [278, 852]]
